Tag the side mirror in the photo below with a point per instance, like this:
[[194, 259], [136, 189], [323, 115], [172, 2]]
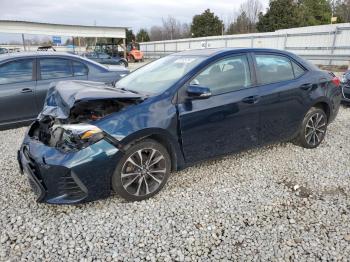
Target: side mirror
[[198, 92]]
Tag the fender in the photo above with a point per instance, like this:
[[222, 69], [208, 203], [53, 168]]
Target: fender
[[162, 136]]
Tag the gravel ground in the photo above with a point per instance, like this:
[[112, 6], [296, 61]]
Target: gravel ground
[[280, 202]]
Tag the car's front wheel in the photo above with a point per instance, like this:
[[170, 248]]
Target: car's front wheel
[[313, 128], [123, 63], [142, 172]]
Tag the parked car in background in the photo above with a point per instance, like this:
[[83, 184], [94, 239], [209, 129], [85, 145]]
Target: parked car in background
[[3, 50], [46, 48], [106, 59], [170, 114], [26, 77], [345, 85]]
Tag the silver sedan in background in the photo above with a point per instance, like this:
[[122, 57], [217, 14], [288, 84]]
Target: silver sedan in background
[[26, 77]]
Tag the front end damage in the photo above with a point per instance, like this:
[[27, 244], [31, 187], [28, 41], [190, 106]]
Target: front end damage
[[65, 156], [70, 110]]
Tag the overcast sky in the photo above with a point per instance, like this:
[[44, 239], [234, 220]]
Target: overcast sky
[[129, 13]]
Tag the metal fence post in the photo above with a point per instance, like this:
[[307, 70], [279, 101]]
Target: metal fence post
[[333, 44], [285, 42], [252, 42], [164, 49]]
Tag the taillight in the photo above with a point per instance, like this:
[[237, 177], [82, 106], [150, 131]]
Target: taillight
[[336, 81]]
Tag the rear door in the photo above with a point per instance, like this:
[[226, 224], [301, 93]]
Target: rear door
[[17, 85], [51, 69], [282, 95], [228, 121]]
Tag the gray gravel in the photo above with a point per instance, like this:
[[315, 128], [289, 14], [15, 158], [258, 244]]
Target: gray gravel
[[276, 203]]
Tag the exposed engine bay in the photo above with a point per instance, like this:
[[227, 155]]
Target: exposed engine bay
[[68, 134], [86, 111], [67, 120]]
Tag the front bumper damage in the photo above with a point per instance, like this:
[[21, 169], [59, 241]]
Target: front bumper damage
[[62, 167], [68, 178]]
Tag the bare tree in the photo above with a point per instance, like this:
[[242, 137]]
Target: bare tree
[[185, 30], [171, 28], [156, 33], [246, 19], [252, 8]]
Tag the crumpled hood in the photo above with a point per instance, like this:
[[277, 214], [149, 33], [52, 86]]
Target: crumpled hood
[[62, 96]]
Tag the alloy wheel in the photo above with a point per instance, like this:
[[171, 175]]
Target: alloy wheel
[[143, 172], [315, 129]]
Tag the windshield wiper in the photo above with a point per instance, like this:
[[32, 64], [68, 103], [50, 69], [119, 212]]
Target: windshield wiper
[[128, 90]]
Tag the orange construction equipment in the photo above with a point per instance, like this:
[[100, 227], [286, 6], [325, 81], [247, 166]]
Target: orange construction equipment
[[133, 52]]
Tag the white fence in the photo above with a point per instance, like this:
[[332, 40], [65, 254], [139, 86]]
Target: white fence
[[326, 44]]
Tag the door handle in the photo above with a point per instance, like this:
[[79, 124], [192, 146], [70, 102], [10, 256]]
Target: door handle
[[307, 86], [251, 99], [26, 90]]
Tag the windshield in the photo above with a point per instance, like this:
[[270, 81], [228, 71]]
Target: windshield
[[159, 75]]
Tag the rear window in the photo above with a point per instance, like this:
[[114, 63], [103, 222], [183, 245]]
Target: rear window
[[52, 68], [16, 71], [274, 68], [298, 70]]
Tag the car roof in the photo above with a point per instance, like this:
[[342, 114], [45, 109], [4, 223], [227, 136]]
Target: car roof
[[36, 54], [10, 56], [215, 51]]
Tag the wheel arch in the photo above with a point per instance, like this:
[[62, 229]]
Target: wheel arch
[[123, 60], [164, 138], [324, 106]]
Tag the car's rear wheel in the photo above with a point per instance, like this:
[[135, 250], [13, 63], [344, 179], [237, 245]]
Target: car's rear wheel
[[313, 128], [142, 172]]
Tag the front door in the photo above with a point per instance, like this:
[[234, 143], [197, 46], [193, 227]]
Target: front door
[[17, 86], [226, 122]]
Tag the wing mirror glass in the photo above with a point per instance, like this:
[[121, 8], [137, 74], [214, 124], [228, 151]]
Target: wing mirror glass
[[198, 92]]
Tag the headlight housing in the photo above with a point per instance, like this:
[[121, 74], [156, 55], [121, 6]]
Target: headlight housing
[[76, 136]]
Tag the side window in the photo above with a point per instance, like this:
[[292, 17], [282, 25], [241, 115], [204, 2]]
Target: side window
[[273, 68], [104, 56], [52, 68], [16, 71], [298, 70], [229, 74], [79, 69]]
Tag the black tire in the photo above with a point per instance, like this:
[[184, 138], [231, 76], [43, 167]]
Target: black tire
[[132, 59], [123, 63], [313, 129], [134, 182]]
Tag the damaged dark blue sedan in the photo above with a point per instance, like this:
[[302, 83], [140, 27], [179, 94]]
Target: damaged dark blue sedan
[[92, 139]]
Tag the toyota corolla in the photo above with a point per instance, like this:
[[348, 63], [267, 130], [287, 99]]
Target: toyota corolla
[[92, 139]]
